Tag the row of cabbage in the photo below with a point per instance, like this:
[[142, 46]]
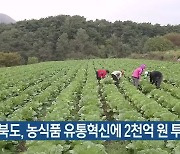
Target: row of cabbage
[[60, 110], [40, 96], [88, 109], [148, 108], [55, 90]]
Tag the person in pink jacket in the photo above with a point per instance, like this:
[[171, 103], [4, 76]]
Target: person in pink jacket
[[137, 74]]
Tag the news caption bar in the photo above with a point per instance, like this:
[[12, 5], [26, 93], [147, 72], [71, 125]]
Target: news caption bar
[[89, 130]]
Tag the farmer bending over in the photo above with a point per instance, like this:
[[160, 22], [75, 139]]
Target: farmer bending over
[[101, 74], [156, 77], [137, 74], [116, 75]]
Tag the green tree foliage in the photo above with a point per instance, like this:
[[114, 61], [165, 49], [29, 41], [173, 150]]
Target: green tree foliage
[[81, 41], [72, 24], [115, 48], [10, 59], [158, 44], [32, 60], [67, 37], [174, 38], [62, 47]]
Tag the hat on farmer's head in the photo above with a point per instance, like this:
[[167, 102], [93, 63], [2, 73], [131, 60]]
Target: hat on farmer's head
[[107, 71], [147, 73], [122, 72], [143, 66]]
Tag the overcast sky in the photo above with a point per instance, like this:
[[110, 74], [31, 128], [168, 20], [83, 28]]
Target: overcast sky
[[154, 11]]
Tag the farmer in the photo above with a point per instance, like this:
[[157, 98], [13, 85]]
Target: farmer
[[116, 75], [137, 74], [101, 74], [156, 77]]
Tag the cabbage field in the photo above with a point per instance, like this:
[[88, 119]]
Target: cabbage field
[[69, 90]]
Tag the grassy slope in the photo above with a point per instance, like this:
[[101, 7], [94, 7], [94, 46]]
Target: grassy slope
[[158, 55]]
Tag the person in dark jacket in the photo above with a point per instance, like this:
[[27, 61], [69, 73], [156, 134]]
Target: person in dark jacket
[[156, 78]]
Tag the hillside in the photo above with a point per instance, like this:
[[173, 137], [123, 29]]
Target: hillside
[[159, 55], [6, 19], [73, 37]]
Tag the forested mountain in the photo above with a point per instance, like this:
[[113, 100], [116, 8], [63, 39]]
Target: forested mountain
[[6, 19], [73, 37]]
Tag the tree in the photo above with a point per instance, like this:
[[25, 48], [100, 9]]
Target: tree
[[174, 38], [62, 47], [158, 44], [72, 24], [32, 60], [80, 43], [115, 47], [45, 38], [46, 52], [10, 59]]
